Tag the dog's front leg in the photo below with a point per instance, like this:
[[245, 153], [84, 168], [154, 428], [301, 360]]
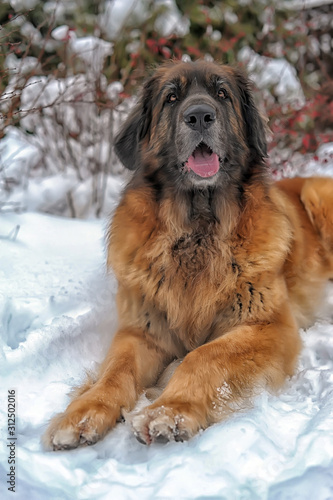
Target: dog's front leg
[[130, 366], [220, 377]]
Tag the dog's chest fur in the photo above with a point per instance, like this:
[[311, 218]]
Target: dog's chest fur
[[187, 286], [182, 286], [196, 287]]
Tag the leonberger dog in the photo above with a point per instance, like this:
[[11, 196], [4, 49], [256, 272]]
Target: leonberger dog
[[217, 266]]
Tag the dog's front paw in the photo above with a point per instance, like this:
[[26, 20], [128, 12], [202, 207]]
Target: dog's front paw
[[83, 423], [162, 424]]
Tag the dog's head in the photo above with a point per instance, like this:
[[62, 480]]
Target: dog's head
[[195, 122]]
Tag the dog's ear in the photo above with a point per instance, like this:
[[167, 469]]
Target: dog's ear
[[135, 128], [255, 127]]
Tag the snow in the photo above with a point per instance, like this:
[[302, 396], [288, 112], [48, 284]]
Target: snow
[[305, 4], [57, 312], [47, 193], [90, 49], [278, 72], [22, 4], [117, 12]]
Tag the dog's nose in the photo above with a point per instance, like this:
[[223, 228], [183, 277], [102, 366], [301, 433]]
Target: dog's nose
[[199, 116]]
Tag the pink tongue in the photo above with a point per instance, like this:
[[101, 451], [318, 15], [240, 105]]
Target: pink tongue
[[203, 163]]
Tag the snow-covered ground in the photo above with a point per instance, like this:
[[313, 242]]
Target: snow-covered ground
[[57, 315]]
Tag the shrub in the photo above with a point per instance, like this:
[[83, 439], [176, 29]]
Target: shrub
[[68, 71]]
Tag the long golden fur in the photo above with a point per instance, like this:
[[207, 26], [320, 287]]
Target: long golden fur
[[217, 269]]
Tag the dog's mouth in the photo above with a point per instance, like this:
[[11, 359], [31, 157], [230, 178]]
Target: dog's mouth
[[203, 161]]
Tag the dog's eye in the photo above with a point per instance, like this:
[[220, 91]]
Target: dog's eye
[[222, 93], [171, 98]]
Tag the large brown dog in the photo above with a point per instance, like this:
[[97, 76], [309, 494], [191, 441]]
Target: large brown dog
[[217, 266]]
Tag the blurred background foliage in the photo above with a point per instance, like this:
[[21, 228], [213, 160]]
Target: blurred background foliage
[[216, 29], [152, 31]]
